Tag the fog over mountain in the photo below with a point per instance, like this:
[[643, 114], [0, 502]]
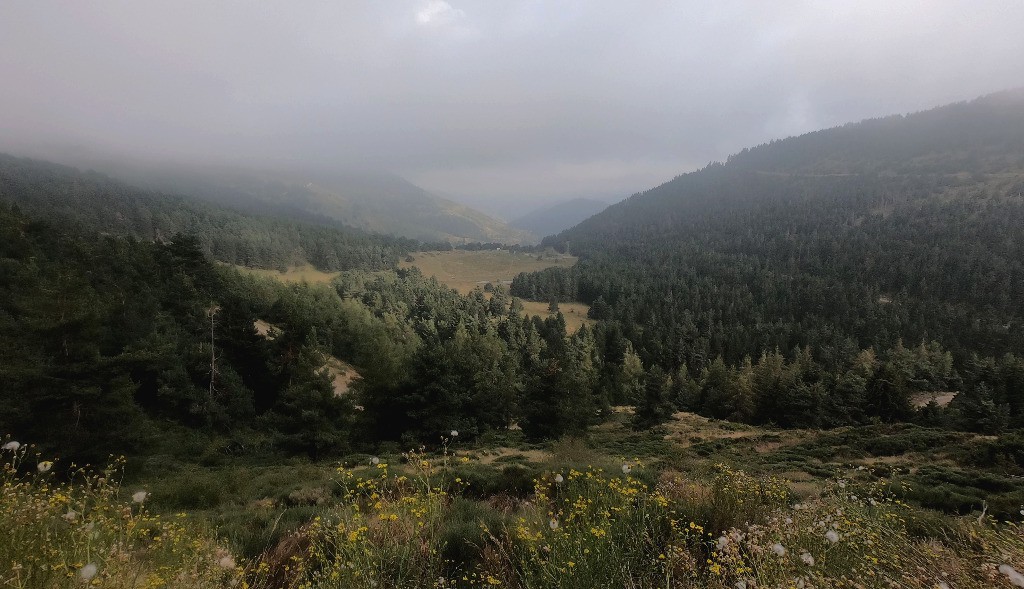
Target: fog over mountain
[[489, 103]]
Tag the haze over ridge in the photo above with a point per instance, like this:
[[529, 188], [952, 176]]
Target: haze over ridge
[[486, 103]]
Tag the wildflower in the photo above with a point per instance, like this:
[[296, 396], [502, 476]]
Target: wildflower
[[832, 536], [779, 549], [626, 468], [139, 496], [226, 562], [87, 572], [722, 542], [553, 524], [559, 479], [44, 466], [807, 558], [70, 516], [12, 446], [1016, 579], [455, 433], [375, 461]]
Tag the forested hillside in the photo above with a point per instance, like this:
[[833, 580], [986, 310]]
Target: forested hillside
[[374, 202], [96, 202], [112, 344], [905, 228]]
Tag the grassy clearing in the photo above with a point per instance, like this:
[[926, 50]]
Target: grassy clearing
[[419, 524], [87, 533], [575, 314], [466, 270], [294, 274], [700, 503]]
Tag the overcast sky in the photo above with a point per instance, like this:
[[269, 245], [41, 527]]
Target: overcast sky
[[484, 100]]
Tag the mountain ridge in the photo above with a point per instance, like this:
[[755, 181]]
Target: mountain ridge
[[903, 227], [551, 219]]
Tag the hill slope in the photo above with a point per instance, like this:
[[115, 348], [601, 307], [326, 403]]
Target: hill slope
[[901, 227], [99, 203], [380, 203], [559, 217]]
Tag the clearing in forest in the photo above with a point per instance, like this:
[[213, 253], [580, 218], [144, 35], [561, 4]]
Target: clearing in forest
[[298, 274], [465, 270]]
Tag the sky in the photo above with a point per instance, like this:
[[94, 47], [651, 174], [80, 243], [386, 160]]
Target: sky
[[501, 104]]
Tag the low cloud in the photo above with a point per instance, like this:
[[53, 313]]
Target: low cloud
[[439, 12], [514, 100]]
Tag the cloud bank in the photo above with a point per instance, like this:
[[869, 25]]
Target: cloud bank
[[491, 102]]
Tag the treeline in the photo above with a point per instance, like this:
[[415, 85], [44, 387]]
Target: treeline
[[95, 202], [826, 264], [905, 228], [113, 345], [898, 384], [476, 364], [822, 246]]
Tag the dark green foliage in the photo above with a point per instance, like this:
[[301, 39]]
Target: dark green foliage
[[820, 246], [656, 404], [791, 245], [97, 203], [107, 345]]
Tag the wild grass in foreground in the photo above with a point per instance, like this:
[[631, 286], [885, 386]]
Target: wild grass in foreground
[[413, 525], [83, 532]]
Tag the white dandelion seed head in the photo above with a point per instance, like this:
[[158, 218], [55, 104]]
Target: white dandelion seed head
[[832, 536], [807, 558], [454, 433], [140, 496], [44, 466], [226, 562], [553, 524], [789, 521], [1022, 511], [943, 585], [722, 542], [70, 516], [87, 572], [375, 461], [12, 446], [779, 549], [559, 479], [1016, 579], [626, 468], [741, 584]]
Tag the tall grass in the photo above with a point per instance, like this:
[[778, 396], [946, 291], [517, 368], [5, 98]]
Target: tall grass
[[413, 525], [82, 532]]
